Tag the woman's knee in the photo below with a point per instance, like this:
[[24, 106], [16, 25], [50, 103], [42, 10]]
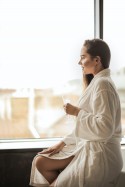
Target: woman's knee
[[40, 163]]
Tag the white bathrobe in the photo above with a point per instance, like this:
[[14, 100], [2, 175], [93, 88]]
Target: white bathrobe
[[94, 142]]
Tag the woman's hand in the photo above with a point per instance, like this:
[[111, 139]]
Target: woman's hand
[[70, 109], [54, 149]]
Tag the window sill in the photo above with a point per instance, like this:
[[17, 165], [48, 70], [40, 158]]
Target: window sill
[[34, 143], [27, 143]]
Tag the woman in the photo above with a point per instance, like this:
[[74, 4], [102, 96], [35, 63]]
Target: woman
[[91, 155]]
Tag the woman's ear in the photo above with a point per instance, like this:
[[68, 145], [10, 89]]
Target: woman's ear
[[98, 59]]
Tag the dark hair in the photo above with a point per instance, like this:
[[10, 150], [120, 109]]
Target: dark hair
[[97, 47]]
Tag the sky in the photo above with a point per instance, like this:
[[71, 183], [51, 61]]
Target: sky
[[114, 31], [40, 40]]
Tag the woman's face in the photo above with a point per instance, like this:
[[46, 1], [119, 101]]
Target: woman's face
[[87, 63]]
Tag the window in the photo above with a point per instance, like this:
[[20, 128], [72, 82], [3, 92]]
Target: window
[[114, 31], [40, 42]]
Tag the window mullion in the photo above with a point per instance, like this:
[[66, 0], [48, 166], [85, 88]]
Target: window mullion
[[98, 19]]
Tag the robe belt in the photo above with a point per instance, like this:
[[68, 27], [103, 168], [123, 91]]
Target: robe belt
[[111, 140]]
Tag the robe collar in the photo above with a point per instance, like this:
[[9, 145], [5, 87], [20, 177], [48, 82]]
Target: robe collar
[[103, 73]]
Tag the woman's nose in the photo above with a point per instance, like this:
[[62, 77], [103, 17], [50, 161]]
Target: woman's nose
[[80, 62]]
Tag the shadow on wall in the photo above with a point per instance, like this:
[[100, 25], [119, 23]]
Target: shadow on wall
[[15, 167]]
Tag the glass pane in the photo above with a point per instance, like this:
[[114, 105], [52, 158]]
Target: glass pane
[[114, 32], [40, 43]]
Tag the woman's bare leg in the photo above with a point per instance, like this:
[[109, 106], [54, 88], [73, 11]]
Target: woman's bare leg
[[50, 168]]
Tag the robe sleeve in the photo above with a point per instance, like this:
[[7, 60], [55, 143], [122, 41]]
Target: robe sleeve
[[69, 139], [99, 123]]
